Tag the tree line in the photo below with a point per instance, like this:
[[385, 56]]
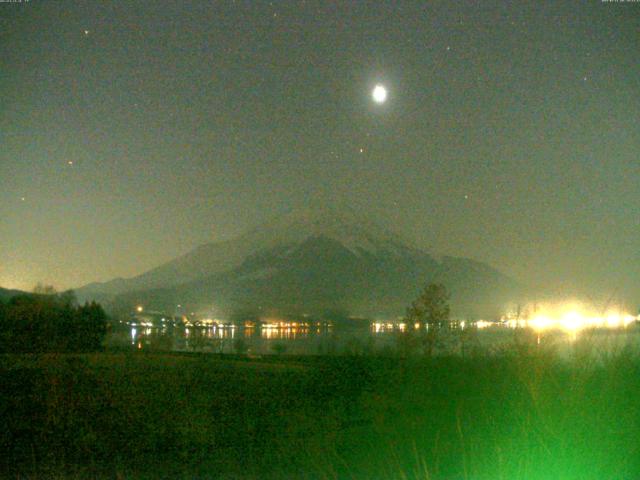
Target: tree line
[[50, 322]]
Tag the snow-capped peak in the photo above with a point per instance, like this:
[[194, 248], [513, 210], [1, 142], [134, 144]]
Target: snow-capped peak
[[351, 230]]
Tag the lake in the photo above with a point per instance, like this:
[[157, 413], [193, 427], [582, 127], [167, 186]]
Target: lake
[[326, 339]]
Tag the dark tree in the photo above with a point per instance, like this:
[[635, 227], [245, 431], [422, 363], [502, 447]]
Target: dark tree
[[51, 323], [91, 325], [42, 289], [431, 312]]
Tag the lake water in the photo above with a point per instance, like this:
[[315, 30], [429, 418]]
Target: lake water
[[376, 338]]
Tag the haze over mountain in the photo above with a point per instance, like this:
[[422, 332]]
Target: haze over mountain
[[309, 261], [217, 257]]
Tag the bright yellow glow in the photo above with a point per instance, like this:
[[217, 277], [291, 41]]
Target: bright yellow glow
[[540, 322], [210, 322], [483, 324], [139, 308], [571, 317], [573, 321]]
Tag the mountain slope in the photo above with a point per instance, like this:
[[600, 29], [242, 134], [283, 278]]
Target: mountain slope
[[219, 257], [309, 262], [321, 274]]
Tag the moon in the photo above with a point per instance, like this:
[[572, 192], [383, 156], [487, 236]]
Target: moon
[[379, 94]]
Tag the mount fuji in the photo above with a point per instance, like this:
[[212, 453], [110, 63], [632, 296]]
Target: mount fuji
[[310, 261]]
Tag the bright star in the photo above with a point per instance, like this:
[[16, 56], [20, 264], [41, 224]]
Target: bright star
[[379, 94]]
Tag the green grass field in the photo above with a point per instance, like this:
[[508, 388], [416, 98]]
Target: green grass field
[[135, 415]]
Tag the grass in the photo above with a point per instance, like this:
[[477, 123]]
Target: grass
[[519, 414]]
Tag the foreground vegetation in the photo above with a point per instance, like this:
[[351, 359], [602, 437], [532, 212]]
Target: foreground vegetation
[[51, 322], [519, 414]]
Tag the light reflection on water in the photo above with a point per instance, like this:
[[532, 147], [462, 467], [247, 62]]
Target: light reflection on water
[[321, 339], [226, 339]]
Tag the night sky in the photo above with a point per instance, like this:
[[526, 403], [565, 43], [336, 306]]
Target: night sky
[[131, 131]]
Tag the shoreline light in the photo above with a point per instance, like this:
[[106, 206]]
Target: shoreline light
[[572, 317]]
